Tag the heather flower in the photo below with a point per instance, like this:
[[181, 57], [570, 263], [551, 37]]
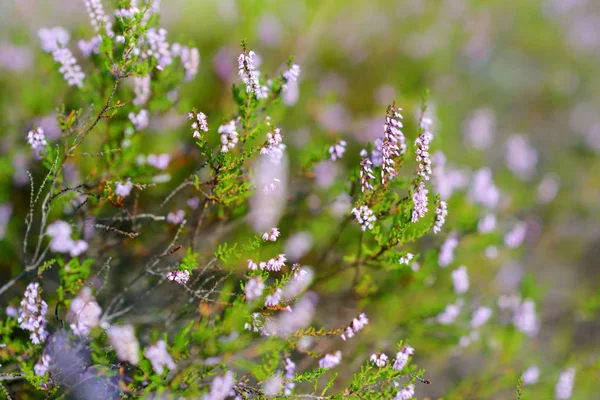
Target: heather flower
[[98, 17], [193, 202], [254, 288], [290, 369], [303, 276], [90, 47], [42, 366], [298, 244], [380, 359], [521, 157], [201, 124], [159, 161], [406, 393], [491, 252], [176, 217], [565, 383], [159, 357], [142, 89], [479, 129], [12, 311], [60, 233], [126, 345], [123, 189], [291, 75], [221, 387], [84, 312], [127, 13], [337, 150], [273, 299], [548, 188], [273, 385], [53, 38], [460, 280], [274, 147], [446, 179], [482, 190], [406, 259], [449, 314], [190, 58], [159, 47], [394, 143], [531, 375], [32, 314], [330, 360], [446, 256], [525, 318], [366, 175], [69, 68], [178, 276], [420, 202], [422, 150], [229, 136], [37, 139], [515, 237], [480, 317], [487, 224], [441, 212], [252, 266], [140, 120], [248, 72], [365, 217], [402, 357], [355, 326], [78, 247], [274, 264], [271, 235]]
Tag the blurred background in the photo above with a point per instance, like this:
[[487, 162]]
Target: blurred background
[[494, 69]]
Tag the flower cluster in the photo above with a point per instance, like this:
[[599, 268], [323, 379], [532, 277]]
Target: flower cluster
[[159, 161], [179, 276], [141, 87], [159, 357], [406, 393], [365, 217], [37, 139], [420, 202], [159, 47], [254, 288], [176, 217], [290, 369], [422, 150], [32, 314], [441, 212], [460, 279], [68, 67], [394, 143], [379, 359], [229, 136], [126, 345], [402, 357], [291, 75], [355, 326], [89, 47], [248, 72], [61, 242], [366, 175], [274, 147], [200, 123], [271, 235], [41, 367], [337, 150], [273, 299], [98, 17], [330, 360], [446, 256], [141, 120]]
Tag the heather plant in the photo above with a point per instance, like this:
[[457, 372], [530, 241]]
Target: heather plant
[[203, 269]]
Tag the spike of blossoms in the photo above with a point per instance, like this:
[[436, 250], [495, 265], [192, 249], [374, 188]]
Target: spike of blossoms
[[142, 90], [441, 212], [159, 357], [402, 357], [274, 147], [98, 17], [200, 123], [248, 72], [254, 288], [365, 217], [229, 136], [54, 41], [394, 143], [423, 159], [291, 75], [290, 369], [420, 202], [330, 360], [355, 326], [32, 314], [366, 175]]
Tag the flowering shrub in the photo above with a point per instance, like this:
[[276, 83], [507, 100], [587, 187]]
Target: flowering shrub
[[201, 271]]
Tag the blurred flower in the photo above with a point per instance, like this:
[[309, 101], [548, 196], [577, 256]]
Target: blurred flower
[[406, 259], [269, 30], [126, 345], [441, 212], [159, 357], [290, 368], [449, 314], [123, 189], [355, 326], [221, 387], [446, 256], [15, 58], [514, 238], [53, 38], [521, 157], [531, 375], [98, 17], [271, 235], [480, 317], [460, 280], [447, 179], [254, 288], [5, 213], [274, 298], [405, 393], [159, 161], [525, 318], [402, 357], [42, 366], [548, 188], [487, 224], [565, 383], [142, 90], [330, 360], [337, 151], [140, 120], [479, 129], [90, 47], [298, 244], [84, 313], [176, 217], [482, 190]]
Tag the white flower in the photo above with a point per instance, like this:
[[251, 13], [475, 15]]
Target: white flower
[[441, 212], [271, 235], [32, 314], [337, 150], [254, 288], [330, 360], [564, 386], [98, 17], [394, 143], [248, 72], [123, 189], [126, 345], [460, 280], [181, 277], [160, 357], [37, 139], [229, 136], [380, 359], [531, 375], [402, 357], [273, 299], [366, 175], [273, 385], [221, 387], [406, 259], [365, 217], [84, 312]]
